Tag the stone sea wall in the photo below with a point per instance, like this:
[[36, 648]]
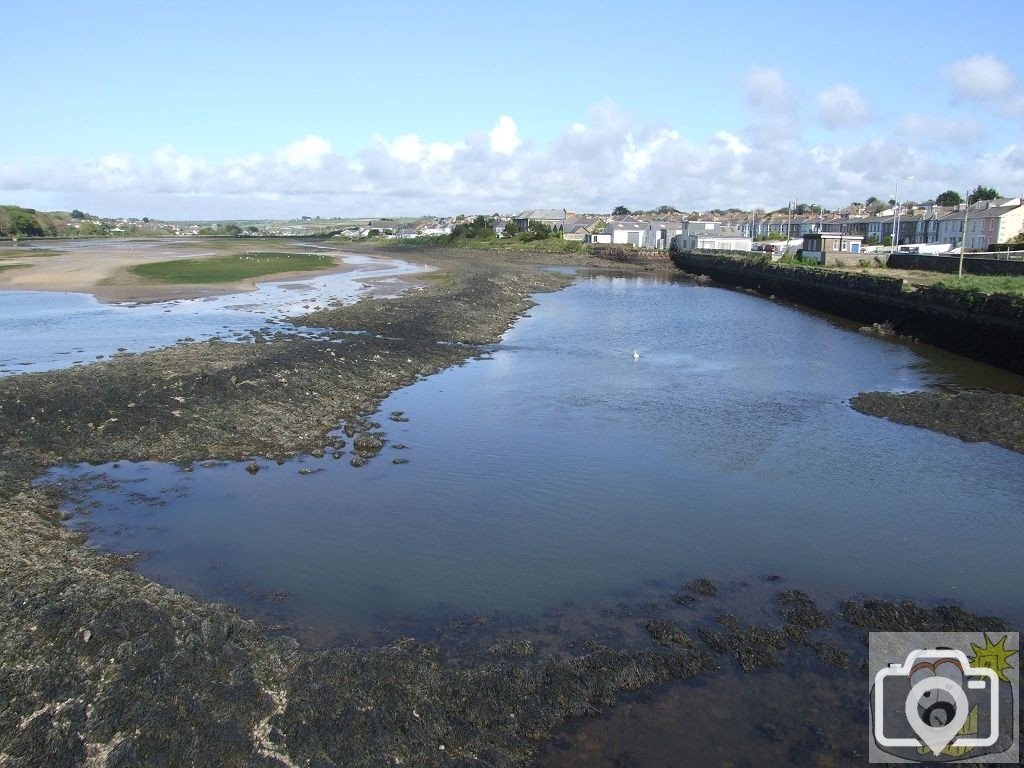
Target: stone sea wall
[[629, 254], [976, 325]]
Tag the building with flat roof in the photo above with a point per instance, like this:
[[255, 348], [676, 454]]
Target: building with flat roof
[[831, 247]]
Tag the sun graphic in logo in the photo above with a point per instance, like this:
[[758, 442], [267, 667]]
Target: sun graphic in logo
[[994, 656]]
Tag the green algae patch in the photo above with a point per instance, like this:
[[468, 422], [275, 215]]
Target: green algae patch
[[230, 268]]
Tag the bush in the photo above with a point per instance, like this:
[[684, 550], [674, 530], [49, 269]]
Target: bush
[[1017, 244], [23, 224]]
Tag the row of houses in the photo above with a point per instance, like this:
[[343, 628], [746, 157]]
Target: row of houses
[[992, 221], [637, 232], [988, 221]]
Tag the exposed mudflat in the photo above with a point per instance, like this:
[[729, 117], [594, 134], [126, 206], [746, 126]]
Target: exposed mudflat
[[103, 667], [971, 415], [102, 266]]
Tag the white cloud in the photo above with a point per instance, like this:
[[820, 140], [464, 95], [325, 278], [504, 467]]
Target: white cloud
[[606, 159], [981, 78], [505, 136], [843, 106], [411, 149], [306, 153], [732, 142]]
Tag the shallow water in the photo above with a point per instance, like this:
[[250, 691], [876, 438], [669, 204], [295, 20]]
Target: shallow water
[[47, 330], [561, 469]]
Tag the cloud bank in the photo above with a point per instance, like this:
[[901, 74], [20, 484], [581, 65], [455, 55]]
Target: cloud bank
[[592, 165]]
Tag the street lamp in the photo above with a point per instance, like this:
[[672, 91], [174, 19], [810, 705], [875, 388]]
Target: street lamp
[[963, 238], [896, 215]]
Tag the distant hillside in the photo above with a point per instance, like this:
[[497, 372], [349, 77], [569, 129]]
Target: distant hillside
[[16, 221], [26, 222]]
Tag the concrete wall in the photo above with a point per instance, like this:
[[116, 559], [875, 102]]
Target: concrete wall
[[972, 264], [986, 328]]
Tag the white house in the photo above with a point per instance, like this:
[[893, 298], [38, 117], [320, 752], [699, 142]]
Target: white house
[[627, 231], [998, 222], [435, 230], [717, 238]]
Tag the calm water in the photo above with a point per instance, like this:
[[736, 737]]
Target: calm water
[[47, 330], [560, 469]]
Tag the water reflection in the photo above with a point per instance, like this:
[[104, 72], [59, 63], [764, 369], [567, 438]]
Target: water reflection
[[560, 468]]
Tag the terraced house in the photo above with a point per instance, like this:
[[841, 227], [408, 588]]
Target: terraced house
[[994, 221]]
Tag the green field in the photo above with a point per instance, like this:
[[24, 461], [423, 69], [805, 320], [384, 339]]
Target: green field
[[13, 266], [985, 284], [229, 268]]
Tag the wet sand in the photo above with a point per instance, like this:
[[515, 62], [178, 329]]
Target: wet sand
[[100, 267]]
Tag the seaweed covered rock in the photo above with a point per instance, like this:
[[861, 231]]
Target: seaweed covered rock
[[905, 616]]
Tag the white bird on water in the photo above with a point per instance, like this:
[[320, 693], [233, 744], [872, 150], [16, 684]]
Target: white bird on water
[[636, 355]]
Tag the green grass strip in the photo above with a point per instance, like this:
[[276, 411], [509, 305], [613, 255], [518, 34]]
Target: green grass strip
[[226, 269], [985, 284]]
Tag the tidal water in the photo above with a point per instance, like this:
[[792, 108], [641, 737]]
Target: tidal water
[[47, 330], [559, 468]]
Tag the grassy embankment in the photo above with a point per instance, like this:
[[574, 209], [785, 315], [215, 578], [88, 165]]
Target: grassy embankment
[[984, 283], [1012, 285], [233, 267]]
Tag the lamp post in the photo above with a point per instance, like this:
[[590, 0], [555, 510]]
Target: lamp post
[[963, 238], [896, 216], [789, 226]]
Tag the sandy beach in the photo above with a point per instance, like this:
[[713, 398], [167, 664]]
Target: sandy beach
[[101, 267]]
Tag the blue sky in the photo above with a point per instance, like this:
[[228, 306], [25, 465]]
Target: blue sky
[[248, 110]]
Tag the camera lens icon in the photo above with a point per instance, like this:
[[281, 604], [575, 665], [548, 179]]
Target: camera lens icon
[[942, 692]]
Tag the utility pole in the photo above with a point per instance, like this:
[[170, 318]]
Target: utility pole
[[963, 238], [789, 226], [896, 217]]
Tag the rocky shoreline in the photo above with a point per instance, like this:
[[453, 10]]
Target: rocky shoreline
[[971, 415], [103, 667]]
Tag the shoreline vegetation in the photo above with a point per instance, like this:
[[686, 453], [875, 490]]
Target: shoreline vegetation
[[232, 268], [102, 666]]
